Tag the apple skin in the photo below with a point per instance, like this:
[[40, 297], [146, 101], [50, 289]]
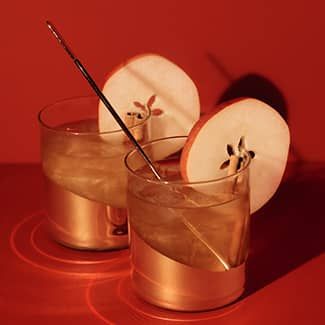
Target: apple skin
[[124, 63]]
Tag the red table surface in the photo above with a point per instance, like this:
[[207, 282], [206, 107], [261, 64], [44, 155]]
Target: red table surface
[[44, 283]]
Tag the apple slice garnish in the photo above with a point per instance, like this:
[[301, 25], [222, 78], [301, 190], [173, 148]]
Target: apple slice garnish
[[245, 123], [151, 84]]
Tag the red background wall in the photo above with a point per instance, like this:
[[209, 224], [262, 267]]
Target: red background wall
[[280, 40]]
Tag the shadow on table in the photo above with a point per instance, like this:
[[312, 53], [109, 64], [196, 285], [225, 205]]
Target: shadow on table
[[289, 230]]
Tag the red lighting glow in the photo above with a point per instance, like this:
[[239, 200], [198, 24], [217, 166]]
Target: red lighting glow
[[137, 311], [30, 241]]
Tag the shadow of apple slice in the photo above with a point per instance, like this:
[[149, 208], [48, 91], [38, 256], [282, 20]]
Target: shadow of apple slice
[[256, 86]]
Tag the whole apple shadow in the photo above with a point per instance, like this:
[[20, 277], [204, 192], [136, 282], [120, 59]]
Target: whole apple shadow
[[289, 230]]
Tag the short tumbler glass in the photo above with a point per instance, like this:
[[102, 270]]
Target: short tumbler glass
[[189, 241], [85, 175]]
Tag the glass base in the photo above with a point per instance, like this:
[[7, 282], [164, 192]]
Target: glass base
[[166, 283], [80, 223]]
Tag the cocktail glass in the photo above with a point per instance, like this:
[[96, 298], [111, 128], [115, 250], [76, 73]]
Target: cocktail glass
[[85, 174], [189, 241]]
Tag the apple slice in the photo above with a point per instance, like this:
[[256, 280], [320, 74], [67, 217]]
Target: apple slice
[[264, 133], [151, 82]]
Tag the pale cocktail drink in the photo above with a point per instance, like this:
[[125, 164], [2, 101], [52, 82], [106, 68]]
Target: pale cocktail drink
[[190, 227], [186, 228], [86, 164], [85, 174]]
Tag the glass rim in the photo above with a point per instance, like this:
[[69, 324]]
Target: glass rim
[[182, 182], [74, 132]]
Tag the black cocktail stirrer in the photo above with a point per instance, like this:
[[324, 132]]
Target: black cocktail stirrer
[[102, 97]]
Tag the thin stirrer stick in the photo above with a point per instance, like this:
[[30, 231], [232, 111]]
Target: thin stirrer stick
[[103, 98]]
